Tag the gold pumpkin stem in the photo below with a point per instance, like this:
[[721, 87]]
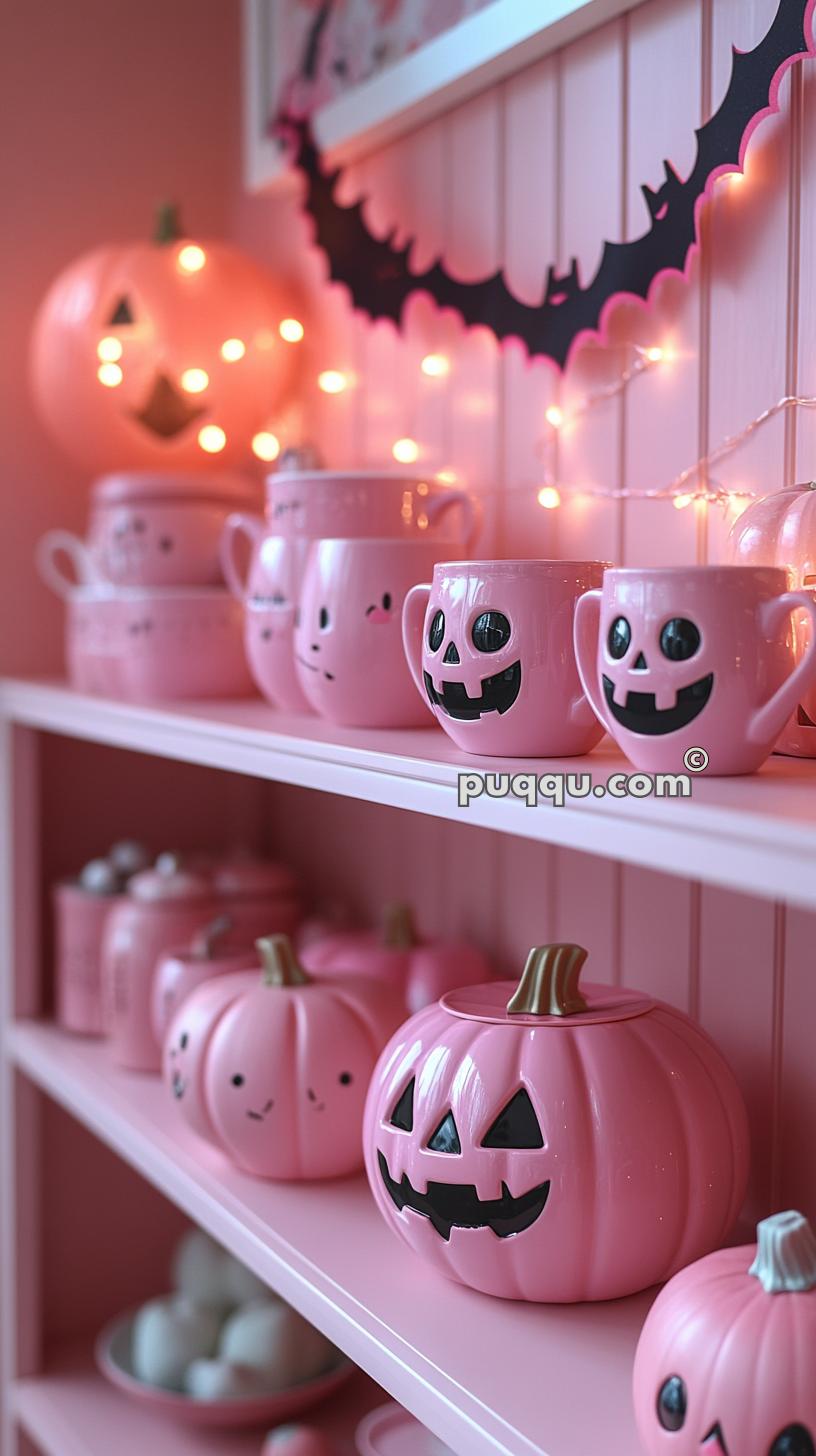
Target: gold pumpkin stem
[[207, 939], [279, 964], [398, 927], [785, 1261], [549, 984]]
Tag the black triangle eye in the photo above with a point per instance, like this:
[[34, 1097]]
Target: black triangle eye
[[123, 313], [446, 1137], [516, 1126], [403, 1114], [793, 1441]]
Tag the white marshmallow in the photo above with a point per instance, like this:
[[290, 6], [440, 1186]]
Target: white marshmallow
[[275, 1338], [100, 877], [200, 1270], [242, 1286], [168, 1334], [219, 1380], [128, 856]]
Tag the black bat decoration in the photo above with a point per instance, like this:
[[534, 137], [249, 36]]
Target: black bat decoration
[[380, 280]]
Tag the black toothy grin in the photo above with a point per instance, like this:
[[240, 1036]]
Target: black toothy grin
[[714, 1442], [458, 1205], [640, 715], [499, 693]]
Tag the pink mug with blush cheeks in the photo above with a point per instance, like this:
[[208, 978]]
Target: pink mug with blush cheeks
[[489, 645], [694, 666], [348, 642], [269, 592]]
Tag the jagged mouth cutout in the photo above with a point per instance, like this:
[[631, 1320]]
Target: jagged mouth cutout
[[640, 715], [458, 1205], [499, 692]]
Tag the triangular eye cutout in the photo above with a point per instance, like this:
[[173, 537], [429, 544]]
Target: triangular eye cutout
[[446, 1137], [123, 313], [516, 1126], [403, 1114]]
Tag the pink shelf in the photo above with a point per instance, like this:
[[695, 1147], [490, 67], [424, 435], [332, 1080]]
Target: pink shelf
[[489, 1377], [754, 834], [72, 1411]]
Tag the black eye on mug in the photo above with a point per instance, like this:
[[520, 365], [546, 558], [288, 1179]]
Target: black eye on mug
[[436, 631], [238, 1080], [679, 639], [490, 632], [671, 1404], [324, 618], [793, 1441], [620, 635]]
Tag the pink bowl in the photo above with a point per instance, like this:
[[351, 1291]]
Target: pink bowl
[[113, 1357], [391, 1431]]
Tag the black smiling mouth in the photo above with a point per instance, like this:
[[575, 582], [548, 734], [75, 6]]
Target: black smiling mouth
[[312, 668], [179, 1085], [166, 412], [458, 1205], [259, 1116], [640, 715], [499, 693]]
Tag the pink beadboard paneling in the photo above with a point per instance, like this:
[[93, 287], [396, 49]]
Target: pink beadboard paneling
[[796, 1110], [658, 934], [803, 466]]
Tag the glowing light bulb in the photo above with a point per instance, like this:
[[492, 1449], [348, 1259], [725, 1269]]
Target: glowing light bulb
[[681, 501], [109, 350], [194, 380], [554, 416], [232, 350], [549, 498], [449, 477], [109, 375], [655, 355], [212, 439], [266, 445], [191, 258], [436, 366], [406, 450], [332, 381], [291, 330]]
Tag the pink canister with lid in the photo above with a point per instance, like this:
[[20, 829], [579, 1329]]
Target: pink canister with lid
[[260, 896], [164, 907], [80, 917]]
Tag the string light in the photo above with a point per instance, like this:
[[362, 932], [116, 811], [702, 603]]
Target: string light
[[655, 355], [109, 350], [195, 380], [549, 497], [332, 381], [406, 451], [681, 501], [232, 350], [212, 439], [554, 416], [436, 366], [109, 375], [291, 330], [448, 477], [266, 446], [191, 258]]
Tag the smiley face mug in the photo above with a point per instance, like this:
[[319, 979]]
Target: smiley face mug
[[694, 660]]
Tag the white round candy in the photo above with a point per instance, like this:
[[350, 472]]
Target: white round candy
[[128, 856], [219, 1380], [168, 1334], [200, 1270], [100, 877], [242, 1286], [275, 1338]]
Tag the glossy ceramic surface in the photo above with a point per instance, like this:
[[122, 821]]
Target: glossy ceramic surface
[[392, 1431], [269, 593], [348, 642], [320, 503], [489, 645], [80, 918], [686, 658], [178, 973]]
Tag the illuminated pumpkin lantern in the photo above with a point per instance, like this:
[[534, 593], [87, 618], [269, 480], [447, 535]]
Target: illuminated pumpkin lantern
[[555, 1142], [725, 1362], [161, 354]]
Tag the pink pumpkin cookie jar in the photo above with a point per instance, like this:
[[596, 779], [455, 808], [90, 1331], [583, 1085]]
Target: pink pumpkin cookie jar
[[490, 648], [554, 1142], [725, 1361], [272, 1066], [180, 972]]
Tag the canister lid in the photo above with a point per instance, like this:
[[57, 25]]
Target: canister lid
[[252, 877], [548, 994], [126, 487], [168, 880]]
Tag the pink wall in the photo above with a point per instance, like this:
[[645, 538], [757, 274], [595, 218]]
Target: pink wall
[[106, 110]]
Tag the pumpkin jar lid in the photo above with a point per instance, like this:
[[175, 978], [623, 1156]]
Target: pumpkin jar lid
[[165, 487], [168, 881], [246, 876], [548, 994]]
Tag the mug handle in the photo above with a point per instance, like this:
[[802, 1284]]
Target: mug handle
[[769, 720], [51, 548], [252, 528], [413, 620], [471, 510], [585, 632]]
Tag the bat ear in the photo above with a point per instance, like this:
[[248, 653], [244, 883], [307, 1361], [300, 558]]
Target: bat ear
[[561, 287], [659, 202]]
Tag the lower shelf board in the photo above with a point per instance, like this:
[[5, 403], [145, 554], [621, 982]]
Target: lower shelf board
[[71, 1410], [488, 1376]]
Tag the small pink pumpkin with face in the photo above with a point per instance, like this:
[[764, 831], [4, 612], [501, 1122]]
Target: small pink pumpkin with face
[[725, 1362], [555, 1144], [272, 1066]]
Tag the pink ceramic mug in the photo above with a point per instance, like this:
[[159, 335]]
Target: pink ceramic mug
[[386, 503], [269, 593], [680, 659], [489, 645], [348, 647]]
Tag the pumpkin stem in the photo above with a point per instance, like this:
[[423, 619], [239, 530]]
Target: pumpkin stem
[[208, 937], [279, 964], [549, 983], [168, 226], [785, 1260], [399, 930]]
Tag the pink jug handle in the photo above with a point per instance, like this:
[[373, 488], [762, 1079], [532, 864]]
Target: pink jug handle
[[769, 720], [50, 552], [471, 508], [413, 622], [238, 526], [585, 637]]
